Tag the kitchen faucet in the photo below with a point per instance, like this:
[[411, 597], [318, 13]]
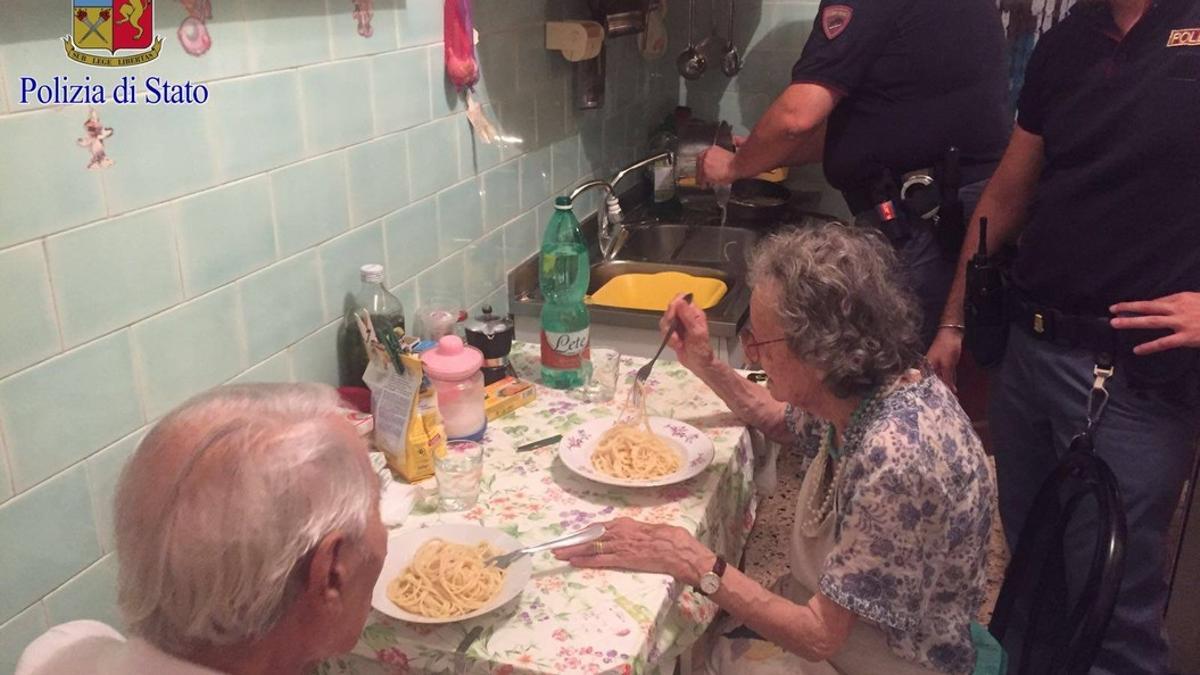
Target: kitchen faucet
[[610, 215]]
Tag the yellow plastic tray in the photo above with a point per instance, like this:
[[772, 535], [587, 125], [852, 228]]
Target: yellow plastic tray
[[654, 291]]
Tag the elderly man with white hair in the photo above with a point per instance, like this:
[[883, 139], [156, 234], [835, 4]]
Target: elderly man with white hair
[[248, 538]]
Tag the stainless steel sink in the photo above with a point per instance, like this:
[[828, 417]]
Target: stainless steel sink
[[604, 272], [700, 249], [727, 248]]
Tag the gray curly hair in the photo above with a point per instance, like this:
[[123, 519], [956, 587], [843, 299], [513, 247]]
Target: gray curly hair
[[841, 302]]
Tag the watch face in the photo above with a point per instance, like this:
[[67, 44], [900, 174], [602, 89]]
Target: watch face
[[710, 583]]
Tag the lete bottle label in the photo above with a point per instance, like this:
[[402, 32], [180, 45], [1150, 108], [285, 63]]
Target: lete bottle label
[[565, 351]]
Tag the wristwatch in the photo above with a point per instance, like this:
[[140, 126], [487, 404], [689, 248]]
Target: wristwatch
[[710, 582]]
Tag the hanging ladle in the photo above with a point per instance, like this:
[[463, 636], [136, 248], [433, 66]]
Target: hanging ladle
[[731, 61], [691, 63]]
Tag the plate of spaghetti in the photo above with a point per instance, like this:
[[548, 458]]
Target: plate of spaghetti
[[437, 574], [645, 452]]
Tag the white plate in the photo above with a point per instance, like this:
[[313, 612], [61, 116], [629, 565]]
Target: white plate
[[575, 451], [403, 545]]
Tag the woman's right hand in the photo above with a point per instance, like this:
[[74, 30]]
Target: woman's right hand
[[691, 342], [944, 354]]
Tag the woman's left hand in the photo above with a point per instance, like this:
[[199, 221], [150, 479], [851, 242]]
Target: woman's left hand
[[631, 545]]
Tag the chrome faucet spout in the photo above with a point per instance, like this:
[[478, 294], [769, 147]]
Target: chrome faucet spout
[[609, 214]]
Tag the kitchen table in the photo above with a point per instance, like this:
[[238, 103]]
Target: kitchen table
[[572, 620]]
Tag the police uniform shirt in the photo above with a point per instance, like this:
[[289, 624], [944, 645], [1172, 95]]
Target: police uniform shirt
[[917, 76], [1114, 216]]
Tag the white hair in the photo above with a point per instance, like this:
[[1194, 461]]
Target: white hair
[[221, 505]]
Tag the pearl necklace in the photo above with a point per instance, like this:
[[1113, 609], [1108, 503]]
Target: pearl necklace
[[817, 514]]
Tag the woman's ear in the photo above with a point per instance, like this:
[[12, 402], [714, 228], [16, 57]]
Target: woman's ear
[[329, 570]]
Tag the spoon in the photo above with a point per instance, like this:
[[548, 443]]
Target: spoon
[[589, 533], [691, 63], [731, 60]]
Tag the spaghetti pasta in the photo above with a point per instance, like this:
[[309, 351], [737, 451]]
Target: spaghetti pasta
[[630, 449], [445, 580]]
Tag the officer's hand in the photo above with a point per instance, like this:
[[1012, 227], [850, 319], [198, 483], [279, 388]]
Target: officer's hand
[[944, 354], [714, 166], [690, 342], [1179, 313]]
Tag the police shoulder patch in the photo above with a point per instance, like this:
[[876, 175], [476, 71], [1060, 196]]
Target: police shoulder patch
[[834, 20], [1184, 37]]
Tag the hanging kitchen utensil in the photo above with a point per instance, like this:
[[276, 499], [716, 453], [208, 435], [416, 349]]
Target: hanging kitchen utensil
[[691, 63], [731, 60]]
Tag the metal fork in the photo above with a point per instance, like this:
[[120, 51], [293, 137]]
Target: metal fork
[[643, 373], [589, 533]]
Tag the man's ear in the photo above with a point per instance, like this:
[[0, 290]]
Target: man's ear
[[329, 570]]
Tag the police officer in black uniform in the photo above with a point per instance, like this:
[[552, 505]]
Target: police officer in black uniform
[[882, 91], [1100, 180]]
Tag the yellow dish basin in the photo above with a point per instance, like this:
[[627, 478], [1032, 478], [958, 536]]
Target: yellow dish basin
[[654, 291]]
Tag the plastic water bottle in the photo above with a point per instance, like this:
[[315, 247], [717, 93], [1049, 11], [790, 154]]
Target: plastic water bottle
[[563, 274]]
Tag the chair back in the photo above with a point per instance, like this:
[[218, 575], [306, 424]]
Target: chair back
[[1047, 626]]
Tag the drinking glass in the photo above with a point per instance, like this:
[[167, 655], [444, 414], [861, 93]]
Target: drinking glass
[[459, 473], [600, 380]]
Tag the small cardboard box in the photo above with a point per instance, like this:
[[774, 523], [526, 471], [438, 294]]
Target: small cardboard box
[[504, 396]]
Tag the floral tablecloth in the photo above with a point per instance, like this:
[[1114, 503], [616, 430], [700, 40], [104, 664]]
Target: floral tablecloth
[[570, 620]]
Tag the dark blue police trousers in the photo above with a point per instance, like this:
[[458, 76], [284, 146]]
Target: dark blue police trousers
[[1038, 402]]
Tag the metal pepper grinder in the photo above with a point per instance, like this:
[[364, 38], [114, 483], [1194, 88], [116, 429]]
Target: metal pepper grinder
[[493, 335]]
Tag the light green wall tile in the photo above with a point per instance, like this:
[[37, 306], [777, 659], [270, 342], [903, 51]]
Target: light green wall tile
[[115, 272], [314, 359], [281, 304], [53, 523], [501, 194], [6, 489], [225, 234], [92, 594], [341, 260], [64, 409], [310, 202], [286, 33], [420, 22], [159, 152], [483, 266], [249, 133], [378, 176], [565, 162], [103, 472], [328, 127], [442, 283], [30, 332], [50, 188], [433, 148], [278, 368], [344, 28], [17, 633], [188, 349], [229, 56], [460, 216], [412, 240], [521, 238], [535, 178], [400, 89]]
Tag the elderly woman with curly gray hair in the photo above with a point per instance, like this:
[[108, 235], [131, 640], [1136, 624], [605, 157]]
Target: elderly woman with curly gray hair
[[894, 512]]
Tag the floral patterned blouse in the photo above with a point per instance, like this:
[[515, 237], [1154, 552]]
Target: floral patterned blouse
[[914, 517]]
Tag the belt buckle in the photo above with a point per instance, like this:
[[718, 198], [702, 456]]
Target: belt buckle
[[1039, 323]]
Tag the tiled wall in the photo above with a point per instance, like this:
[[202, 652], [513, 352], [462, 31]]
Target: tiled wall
[[222, 243], [769, 35]]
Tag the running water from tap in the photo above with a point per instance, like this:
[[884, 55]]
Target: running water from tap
[[722, 194]]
